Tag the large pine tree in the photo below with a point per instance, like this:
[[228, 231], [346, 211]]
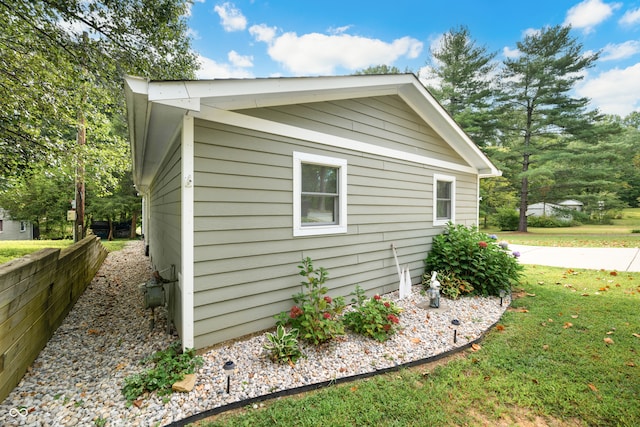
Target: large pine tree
[[541, 114], [463, 72]]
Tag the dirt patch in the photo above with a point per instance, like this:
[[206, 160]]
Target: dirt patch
[[522, 417]]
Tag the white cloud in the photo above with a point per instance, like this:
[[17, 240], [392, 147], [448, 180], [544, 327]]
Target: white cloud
[[507, 52], [210, 69], [239, 60], [630, 18], [624, 50], [316, 53], [615, 91], [231, 18], [589, 13], [263, 33], [194, 34], [531, 32], [339, 30]]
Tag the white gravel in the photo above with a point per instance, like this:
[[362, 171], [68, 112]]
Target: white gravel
[[77, 378]]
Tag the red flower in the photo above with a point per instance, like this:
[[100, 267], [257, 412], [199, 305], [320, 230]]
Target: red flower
[[295, 312], [386, 304], [376, 297], [482, 244], [328, 299], [326, 315], [386, 327], [393, 318]]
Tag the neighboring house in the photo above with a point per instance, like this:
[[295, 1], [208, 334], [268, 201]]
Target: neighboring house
[[553, 209], [572, 204], [242, 179], [14, 230]]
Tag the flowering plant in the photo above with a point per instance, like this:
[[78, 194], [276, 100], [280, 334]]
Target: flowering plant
[[473, 259], [374, 317], [315, 314]]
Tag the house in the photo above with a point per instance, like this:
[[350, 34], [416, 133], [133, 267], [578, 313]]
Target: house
[[242, 179], [543, 209], [553, 209], [14, 230]]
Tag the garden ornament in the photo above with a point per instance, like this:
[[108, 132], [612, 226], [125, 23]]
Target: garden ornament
[[434, 291]]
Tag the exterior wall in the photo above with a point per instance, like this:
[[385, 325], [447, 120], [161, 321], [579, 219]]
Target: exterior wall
[[163, 234], [11, 229], [245, 252]]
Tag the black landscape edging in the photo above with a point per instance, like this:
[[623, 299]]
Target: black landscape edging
[[316, 386]]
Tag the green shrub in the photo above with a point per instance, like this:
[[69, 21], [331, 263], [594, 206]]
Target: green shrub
[[171, 365], [375, 317], [316, 315], [283, 345], [473, 257], [545, 221], [507, 219]]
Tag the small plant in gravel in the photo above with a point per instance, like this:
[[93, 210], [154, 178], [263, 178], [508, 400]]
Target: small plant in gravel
[[374, 317], [466, 255], [316, 314], [283, 345], [170, 366]]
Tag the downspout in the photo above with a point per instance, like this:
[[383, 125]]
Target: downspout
[[187, 252]]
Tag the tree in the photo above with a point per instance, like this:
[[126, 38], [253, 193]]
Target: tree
[[62, 69], [464, 73], [536, 98], [380, 69]]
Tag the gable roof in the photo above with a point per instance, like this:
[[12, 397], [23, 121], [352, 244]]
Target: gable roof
[[156, 108]]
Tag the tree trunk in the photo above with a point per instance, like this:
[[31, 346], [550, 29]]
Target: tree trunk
[[134, 220], [524, 193]]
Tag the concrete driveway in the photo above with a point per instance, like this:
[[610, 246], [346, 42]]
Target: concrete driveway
[[619, 259]]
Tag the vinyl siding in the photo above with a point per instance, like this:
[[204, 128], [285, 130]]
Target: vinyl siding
[[165, 221], [245, 252]]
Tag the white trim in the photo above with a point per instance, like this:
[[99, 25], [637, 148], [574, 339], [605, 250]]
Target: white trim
[[187, 251], [452, 180], [267, 126], [341, 226]]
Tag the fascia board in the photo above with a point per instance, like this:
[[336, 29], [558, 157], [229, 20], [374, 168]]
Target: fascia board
[[138, 116]]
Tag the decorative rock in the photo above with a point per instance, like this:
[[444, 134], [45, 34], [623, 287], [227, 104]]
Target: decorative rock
[[186, 384], [79, 375]]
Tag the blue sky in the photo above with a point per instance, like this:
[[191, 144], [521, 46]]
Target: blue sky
[[274, 38]]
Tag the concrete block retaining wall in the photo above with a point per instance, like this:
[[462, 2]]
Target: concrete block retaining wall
[[37, 291]]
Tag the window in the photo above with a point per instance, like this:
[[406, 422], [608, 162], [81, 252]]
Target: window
[[444, 202], [23, 226], [0, 226], [320, 195]]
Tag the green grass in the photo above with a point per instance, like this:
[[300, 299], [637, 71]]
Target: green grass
[[12, 249], [547, 363], [617, 235]]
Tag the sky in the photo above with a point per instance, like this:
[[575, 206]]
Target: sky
[[283, 38]]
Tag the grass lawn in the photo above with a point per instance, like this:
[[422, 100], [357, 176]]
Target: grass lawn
[[11, 249], [567, 353], [618, 235]]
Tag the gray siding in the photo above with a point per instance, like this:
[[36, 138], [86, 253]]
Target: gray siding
[[11, 230], [245, 252], [164, 234]]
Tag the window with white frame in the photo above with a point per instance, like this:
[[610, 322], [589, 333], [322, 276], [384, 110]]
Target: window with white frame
[[319, 194], [444, 202]]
